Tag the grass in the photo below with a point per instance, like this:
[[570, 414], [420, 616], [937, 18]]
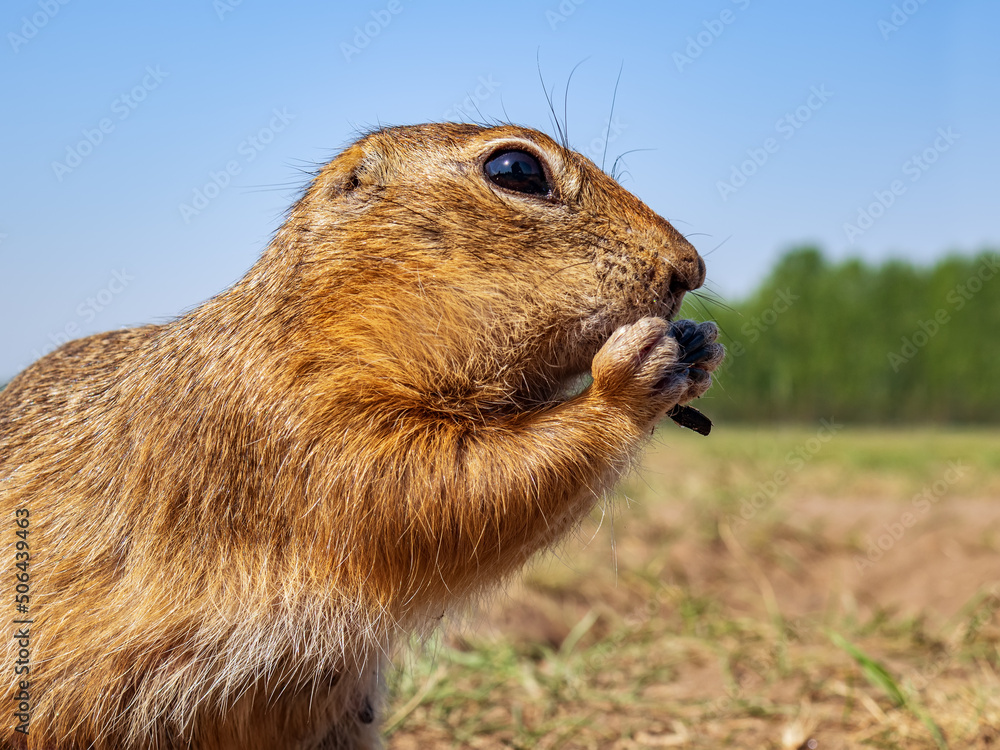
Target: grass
[[719, 601]]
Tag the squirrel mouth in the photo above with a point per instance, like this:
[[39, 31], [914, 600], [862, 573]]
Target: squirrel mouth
[[576, 378], [673, 308], [669, 305]]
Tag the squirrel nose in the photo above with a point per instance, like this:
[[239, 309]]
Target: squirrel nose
[[688, 268]]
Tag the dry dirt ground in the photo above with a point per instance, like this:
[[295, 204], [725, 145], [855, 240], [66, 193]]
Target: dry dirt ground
[[817, 587]]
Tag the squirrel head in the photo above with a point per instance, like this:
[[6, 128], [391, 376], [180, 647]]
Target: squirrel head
[[497, 249]]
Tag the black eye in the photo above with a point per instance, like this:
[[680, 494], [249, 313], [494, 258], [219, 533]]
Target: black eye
[[518, 171]]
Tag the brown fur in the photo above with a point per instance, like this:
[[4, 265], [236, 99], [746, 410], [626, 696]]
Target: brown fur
[[233, 516]]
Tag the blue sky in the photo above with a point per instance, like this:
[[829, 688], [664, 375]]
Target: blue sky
[[767, 125]]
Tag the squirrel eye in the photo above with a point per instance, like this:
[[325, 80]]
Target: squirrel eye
[[518, 171]]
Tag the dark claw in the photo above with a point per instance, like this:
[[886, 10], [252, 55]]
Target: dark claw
[[688, 416], [689, 338], [681, 329], [698, 376], [695, 355]]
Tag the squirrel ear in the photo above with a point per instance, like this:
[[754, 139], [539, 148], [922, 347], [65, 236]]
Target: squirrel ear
[[342, 174], [355, 167]]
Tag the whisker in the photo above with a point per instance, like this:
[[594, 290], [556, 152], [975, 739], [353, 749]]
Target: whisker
[[709, 288], [710, 295], [274, 187], [708, 315], [703, 299], [623, 155], [478, 112], [614, 96], [430, 221], [566, 268], [548, 98], [566, 101], [503, 106], [718, 246]]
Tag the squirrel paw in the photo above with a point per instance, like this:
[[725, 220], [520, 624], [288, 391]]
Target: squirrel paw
[[653, 365]]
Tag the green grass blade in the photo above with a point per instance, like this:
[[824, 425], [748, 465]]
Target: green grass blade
[[879, 676]]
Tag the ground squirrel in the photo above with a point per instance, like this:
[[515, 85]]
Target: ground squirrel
[[232, 517]]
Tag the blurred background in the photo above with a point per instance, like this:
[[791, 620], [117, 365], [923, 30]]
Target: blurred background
[[835, 162]]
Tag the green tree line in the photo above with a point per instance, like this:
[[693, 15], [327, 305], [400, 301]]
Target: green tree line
[[861, 343]]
